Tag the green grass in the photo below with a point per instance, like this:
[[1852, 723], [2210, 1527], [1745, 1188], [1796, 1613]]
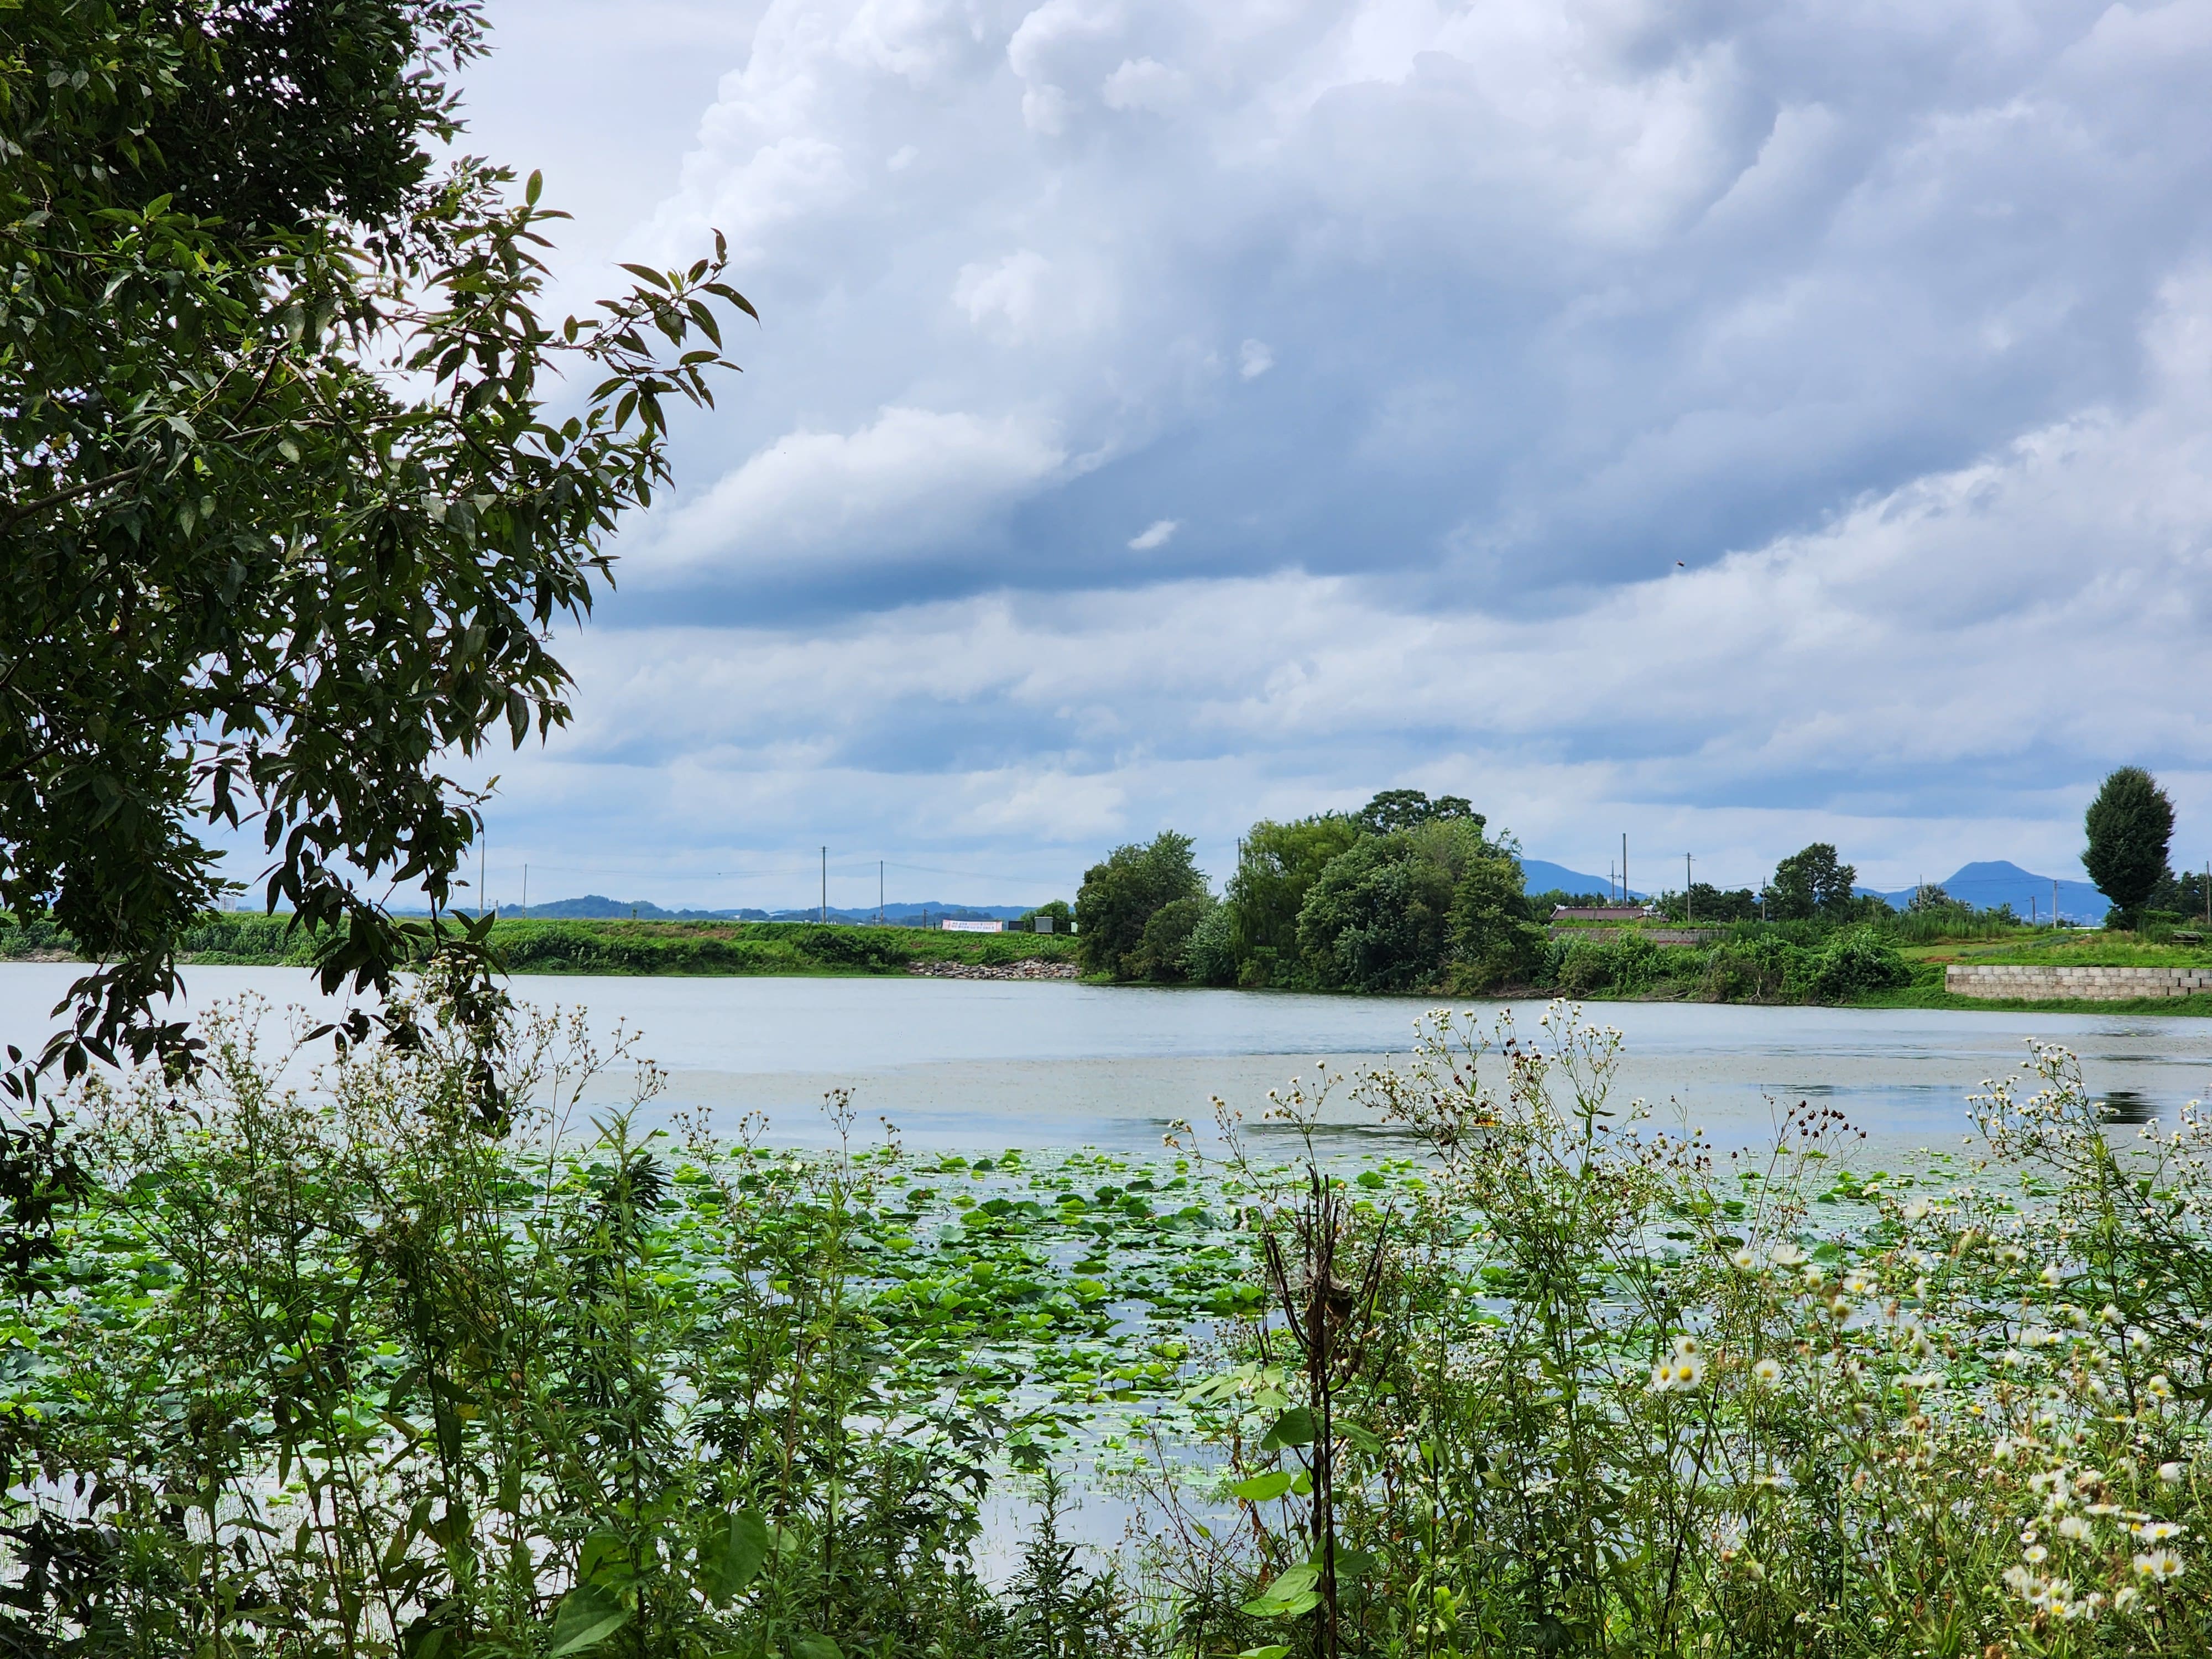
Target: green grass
[[2098, 950]]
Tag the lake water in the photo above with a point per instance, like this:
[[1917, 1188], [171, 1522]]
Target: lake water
[[962, 1065]]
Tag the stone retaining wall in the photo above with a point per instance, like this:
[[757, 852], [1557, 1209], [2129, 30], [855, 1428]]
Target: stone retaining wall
[[1656, 935], [2074, 984]]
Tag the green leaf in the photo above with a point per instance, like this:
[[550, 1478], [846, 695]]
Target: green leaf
[[1292, 1593], [1295, 1427], [814, 1647], [1361, 1438], [731, 1556], [1261, 1487], [1277, 1651], [586, 1617]]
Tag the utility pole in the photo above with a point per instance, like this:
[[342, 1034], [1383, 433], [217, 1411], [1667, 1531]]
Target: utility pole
[[525, 890], [480, 873], [2054, 901], [879, 893], [824, 916], [1689, 904], [1625, 897]]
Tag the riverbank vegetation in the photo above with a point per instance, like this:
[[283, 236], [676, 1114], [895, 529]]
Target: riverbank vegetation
[[1413, 895], [388, 1366], [1417, 896], [526, 946]]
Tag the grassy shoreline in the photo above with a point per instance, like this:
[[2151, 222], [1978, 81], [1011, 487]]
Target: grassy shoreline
[[622, 947], [625, 948]]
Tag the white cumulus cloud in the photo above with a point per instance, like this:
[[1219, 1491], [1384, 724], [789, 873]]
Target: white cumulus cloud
[[909, 479]]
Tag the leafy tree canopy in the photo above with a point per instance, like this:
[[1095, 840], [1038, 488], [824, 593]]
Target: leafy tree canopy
[[1811, 883], [1379, 919], [1276, 867], [1119, 896], [1163, 948], [1404, 809], [285, 518], [1495, 939], [2130, 826], [1705, 903]]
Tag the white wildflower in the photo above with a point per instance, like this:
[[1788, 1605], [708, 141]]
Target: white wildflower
[[2160, 1566]]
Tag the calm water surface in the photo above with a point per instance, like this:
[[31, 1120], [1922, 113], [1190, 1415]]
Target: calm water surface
[[962, 1064]]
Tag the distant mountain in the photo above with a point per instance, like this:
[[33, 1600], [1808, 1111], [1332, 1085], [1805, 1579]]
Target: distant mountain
[[1542, 876], [596, 907], [1984, 885], [1991, 882]]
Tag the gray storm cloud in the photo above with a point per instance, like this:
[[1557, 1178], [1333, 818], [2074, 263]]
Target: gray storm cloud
[[1181, 412]]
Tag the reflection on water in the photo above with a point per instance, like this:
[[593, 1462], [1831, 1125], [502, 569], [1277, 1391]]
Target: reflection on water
[[964, 1065], [2127, 1106]]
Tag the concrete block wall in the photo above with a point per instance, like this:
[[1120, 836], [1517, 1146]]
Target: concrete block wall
[[2073, 984], [1656, 935]]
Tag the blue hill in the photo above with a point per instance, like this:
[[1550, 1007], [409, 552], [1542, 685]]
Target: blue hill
[[1542, 876], [1989, 882]]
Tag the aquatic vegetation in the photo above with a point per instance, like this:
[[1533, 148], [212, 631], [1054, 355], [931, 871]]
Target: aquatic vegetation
[[423, 1360]]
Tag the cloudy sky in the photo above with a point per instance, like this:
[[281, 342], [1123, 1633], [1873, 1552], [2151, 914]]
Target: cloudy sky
[[1731, 424]]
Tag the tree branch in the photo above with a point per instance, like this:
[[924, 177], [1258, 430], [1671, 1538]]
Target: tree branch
[[15, 514]]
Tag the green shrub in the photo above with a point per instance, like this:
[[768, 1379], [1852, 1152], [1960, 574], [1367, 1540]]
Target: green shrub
[[1579, 966], [1379, 918], [1494, 942], [1159, 956], [1209, 955], [873, 949], [1748, 969], [1855, 961]]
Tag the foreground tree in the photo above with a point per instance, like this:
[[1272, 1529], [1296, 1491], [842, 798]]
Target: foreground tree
[[284, 517], [2130, 826]]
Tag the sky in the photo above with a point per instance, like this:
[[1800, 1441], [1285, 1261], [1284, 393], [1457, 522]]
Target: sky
[[1729, 425]]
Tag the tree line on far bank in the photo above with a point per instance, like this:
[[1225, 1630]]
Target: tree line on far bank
[[1410, 894], [1413, 894]]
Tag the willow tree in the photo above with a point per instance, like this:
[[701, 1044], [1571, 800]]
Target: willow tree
[[294, 479]]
